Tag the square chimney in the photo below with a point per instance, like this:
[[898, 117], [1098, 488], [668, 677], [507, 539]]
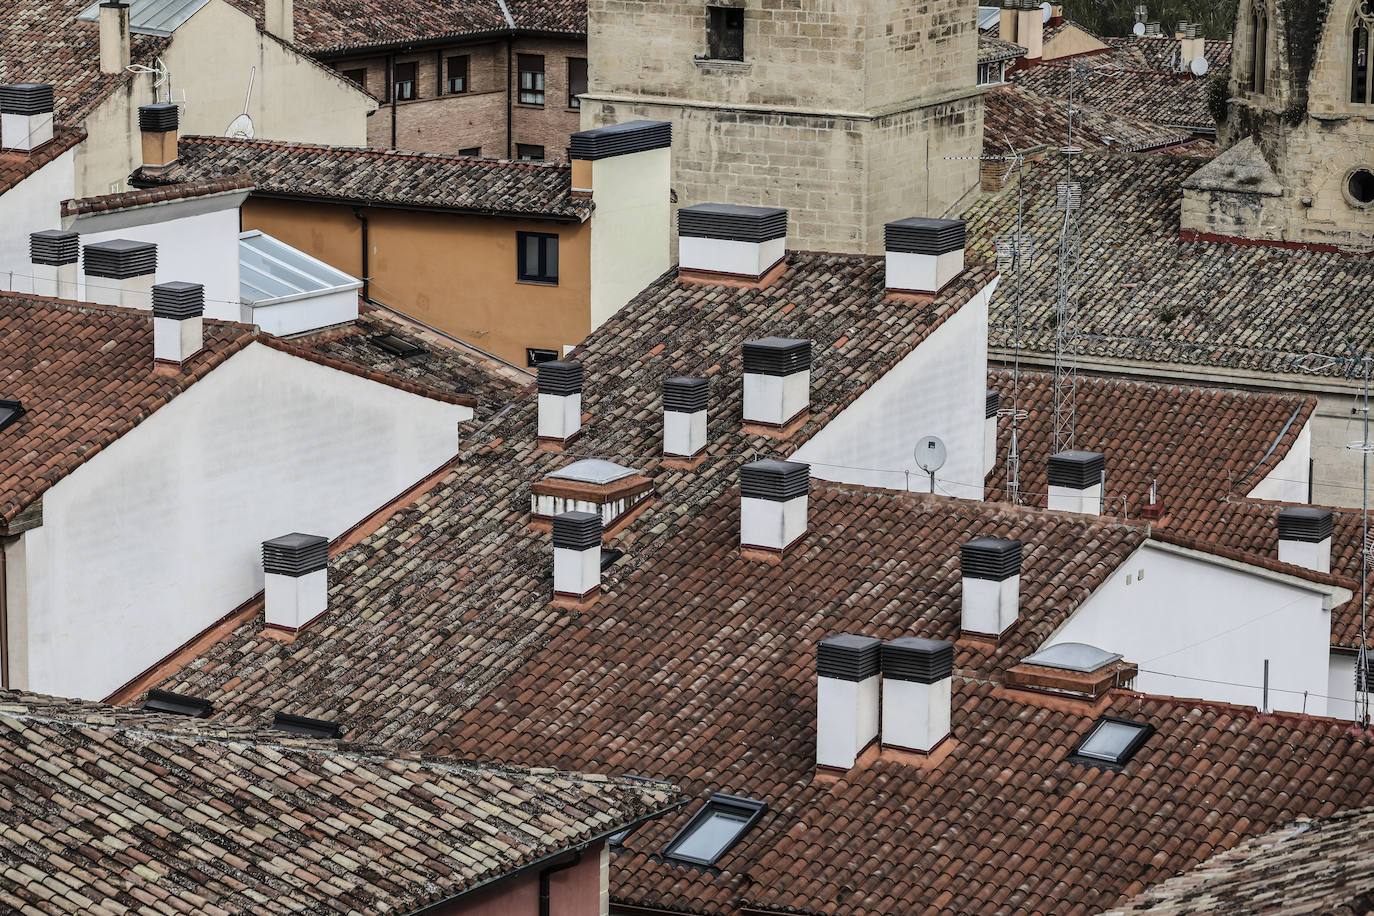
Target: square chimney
[[1305, 537], [1030, 29], [157, 124], [731, 240], [296, 580], [924, 255], [847, 691], [55, 254], [26, 115], [685, 401], [1076, 479], [178, 326], [777, 381], [576, 555], [560, 401], [120, 272], [918, 683], [991, 586], [115, 49], [773, 504]]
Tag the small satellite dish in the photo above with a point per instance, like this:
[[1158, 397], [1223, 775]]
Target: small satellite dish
[[930, 454], [1138, 29], [1045, 12], [1198, 66], [241, 128]]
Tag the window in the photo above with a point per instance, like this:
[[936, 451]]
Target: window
[[725, 33], [177, 704], [538, 258], [358, 76], [1259, 33], [714, 829], [529, 152], [403, 86], [1360, 186], [304, 725], [577, 80], [1112, 741], [531, 79], [534, 356], [990, 72], [457, 69], [1361, 91], [470, 151]]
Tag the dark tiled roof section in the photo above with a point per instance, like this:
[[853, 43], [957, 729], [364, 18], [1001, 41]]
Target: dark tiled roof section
[[991, 49], [1161, 52], [565, 17], [16, 166], [329, 26], [1150, 297], [176, 816], [1024, 118], [140, 198], [1160, 96], [382, 177]]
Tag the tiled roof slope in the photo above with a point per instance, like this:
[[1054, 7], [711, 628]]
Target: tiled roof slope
[[991, 48], [140, 198], [1023, 118], [16, 166], [1323, 865], [1164, 97], [1150, 297], [381, 177], [114, 812], [1160, 52]]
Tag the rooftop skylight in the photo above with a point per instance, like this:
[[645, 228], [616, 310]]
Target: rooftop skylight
[[594, 471], [9, 412], [304, 725], [396, 346], [714, 829], [1073, 656], [177, 704], [1112, 741], [271, 271]]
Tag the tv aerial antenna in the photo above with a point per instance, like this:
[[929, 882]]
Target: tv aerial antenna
[[161, 77], [930, 454], [241, 128]]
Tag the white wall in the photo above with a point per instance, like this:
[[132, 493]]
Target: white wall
[[32, 206], [160, 535], [1287, 482], [940, 389], [1340, 688], [630, 227], [1198, 627]]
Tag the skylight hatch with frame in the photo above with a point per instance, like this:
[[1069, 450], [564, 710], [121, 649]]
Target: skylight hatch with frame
[[1112, 742], [714, 829]]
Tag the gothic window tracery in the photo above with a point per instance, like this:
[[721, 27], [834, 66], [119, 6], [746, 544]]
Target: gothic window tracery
[[1259, 56], [1361, 86]]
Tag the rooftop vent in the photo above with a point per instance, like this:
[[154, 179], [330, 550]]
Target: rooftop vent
[[576, 555], [560, 401], [10, 411], [296, 573], [1073, 669], [1305, 537], [918, 680], [55, 254], [178, 326], [994, 403], [777, 381], [304, 725], [991, 586], [773, 504], [114, 36], [846, 698], [26, 115], [1076, 482], [177, 704], [744, 242], [120, 272], [609, 490], [158, 126], [685, 401], [397, 346], [1152, 29], [924, 255]]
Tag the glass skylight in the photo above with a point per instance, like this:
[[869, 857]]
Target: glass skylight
[[1073, 656], [714, 829], [593, 470], [1113, 741], [9, 412], [272, 271]]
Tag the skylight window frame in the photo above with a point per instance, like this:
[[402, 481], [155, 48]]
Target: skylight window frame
[[15, 408], [751, 808], [177, 704], [1143, 732]]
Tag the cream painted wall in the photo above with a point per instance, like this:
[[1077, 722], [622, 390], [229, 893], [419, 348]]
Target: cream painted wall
[[1288, 481], [113, 146], [160, 534], [940, 389], [31, 206], [630, 229]]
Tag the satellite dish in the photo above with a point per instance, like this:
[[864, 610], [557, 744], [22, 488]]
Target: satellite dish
[[241, 128], [1045, 12], [930, 454], [1138, 29], [1198, 66]]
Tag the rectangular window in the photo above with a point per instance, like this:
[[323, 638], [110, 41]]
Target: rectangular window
[[457, 68], [533, 357], [403, 86], [577, 80], [470, 151], [358, 76], [725, 33], [715, 827], [529, 152], [538, 257], [531, 79]]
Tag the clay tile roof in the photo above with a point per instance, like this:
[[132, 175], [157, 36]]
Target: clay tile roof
[[1159, 96], [991, 48], [1311, 864], [16, 166], [170, 816], [1025, 118], [382, 177], [127, 199]]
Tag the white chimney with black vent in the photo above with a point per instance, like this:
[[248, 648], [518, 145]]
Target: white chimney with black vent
[[991, 586], [560, 401], [1305, 537], [918, 683], [55, 253], [158, 126], [114, 37], [923, 255], [1076, 479], [993, 404], [576, 555], [773, 504], [178, 325], [296, 579], [120, 272], [26, 113], [847, 692], [777, 380], [727, 239], [685, 401]]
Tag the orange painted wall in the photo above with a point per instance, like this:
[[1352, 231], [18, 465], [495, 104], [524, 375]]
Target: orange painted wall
[[457, 273], [573, 892]]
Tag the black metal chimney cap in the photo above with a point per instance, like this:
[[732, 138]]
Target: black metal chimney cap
[[178, 703], [620, 139], [178, 300], [921, 235], [54, 247], [577, 530], [559, 377], [776, 356], [1077, 470], [304, 725], [26, 98], [994, 404], [295, 554], [686, 395], [1306, 523], [120, 259], [774, 480], [990, 558], [847, 657], [911, 658], [732, 222], [158, 119]]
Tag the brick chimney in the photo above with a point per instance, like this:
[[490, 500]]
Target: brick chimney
[[726, 240], [576, 555], [918, 682], [26, 115], [1305, 537], [991, 586], [685, 403], [158, 126], [560, 401], [773, 504], [923, 255], [847, 691], [120, 272], [280, 19], [114, 36], [55, 253], [1076, 479], [993, 404], [178, 328], [296, 580], [777, 381]]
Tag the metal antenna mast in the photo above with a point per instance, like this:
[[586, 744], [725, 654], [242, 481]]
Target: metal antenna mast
[[1069, 201], [1012, 252]]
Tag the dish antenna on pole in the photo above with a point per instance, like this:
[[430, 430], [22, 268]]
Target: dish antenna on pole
[[1045, 11], [1198, 66], [930, 454], [1138, 29], [241, 128]]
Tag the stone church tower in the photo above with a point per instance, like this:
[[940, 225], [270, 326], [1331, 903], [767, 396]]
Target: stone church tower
[[845, 112], [1298, 164]]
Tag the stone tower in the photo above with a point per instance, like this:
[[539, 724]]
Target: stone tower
[[845, 112], [1298, 135]]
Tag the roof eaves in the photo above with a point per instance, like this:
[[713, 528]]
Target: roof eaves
[[462, 400], [580, 215], [1337, 589]]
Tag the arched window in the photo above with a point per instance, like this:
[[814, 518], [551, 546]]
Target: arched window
[[1259, 58], [1361, 89]]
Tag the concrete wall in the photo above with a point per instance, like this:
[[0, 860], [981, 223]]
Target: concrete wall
[[160, 534], [940, 390], [31, 206], [1288, 481], [631, 229], [1203, 629]]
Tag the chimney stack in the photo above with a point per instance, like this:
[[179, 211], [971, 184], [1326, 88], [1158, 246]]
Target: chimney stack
[[120, 272], [26, 114], [158, 125], [1076, 479], [685, 402], [1193, 46], [1006, 24], [1152, 29], [992, 586], [923, 255], [1305, 537], [560, 401], [730, 240], [576, 555], [114, 36], [279, 17], [296, 580], [847, 688], [777, 381], [54, 253], [773, 504], [918, 681], [178, 328], [994, 403], [1030, 29]]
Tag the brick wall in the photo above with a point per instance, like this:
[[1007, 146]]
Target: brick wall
[[550, 125]]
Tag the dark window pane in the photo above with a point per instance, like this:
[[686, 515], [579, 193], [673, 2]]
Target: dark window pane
[[529, 151], [725, 33], [457, 69], [404, 88], [358, 76], [538, 257], [531, 79], [577, 80], [470, 151], [1359, 66]]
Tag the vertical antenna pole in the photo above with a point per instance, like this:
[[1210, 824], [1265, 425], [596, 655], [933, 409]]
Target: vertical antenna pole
[[1264, 706]]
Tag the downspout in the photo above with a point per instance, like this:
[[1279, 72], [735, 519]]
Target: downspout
[[366, 274], [4, 618], [544, 880], [510, 94], [391, 94]]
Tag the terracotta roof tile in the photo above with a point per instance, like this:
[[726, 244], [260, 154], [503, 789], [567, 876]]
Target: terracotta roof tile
[[991, 48], [16, 166], [1026, 118], [127, 199]]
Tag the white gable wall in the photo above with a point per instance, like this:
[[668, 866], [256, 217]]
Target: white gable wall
[[1288, 481], [32, 205], [159, 535]]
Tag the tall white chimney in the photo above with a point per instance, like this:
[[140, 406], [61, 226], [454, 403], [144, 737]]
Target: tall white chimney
[[26, 115], [991, 587], [120, 272], [178, 326], [1305, 537], [846, 698], [296, 580], [1076, 479], [730, 240], [685, 402], [55, 253], [1030, 29], [560, 401], [280, 19], [773, 504], [777, 381], [918, 682], [923, 255], [114, 36], [576, 555], [993, 404]]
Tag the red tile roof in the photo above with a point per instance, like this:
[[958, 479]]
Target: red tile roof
[[1025, 118], [139, 198], [991, 48], [16, 166], [1163, 97]]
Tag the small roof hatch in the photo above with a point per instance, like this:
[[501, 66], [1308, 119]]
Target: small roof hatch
[[593, 470], [1073, 656]]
